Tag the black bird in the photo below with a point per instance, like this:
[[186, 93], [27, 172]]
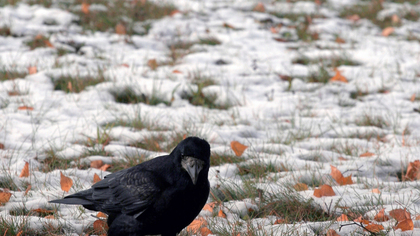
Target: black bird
[[159, 196]]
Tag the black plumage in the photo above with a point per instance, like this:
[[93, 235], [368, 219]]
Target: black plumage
[[159, 196]]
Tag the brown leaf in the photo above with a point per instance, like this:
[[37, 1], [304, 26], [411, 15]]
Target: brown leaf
[[405, 225], [48, 43], [340, 40], [101, 215], [210, 206], [32, 70], [96, 178], [339, 77], [120, 29], [174, 12], [413, 97], [279, 221], [341, 180], [417, 217], [381, 217], [4, 197], [176, 72], [400, 214], [19, 233], [354, 17], [1, 146], [152, 63], [324, 191], [205, 231], [374, 228], [395, 19], [238, 148], [196, 225], [332, 232], [65, 182], [361, 220], [375, 190], [342, 159], [343, 218], [367, 154], [49, 217], [259, 7], [221, 214], [413, 171], [42, 211], [100, 227], [387, 31], [27, 190], [85, 8], [105, 167], [96, 164], [300, 187], [226, 25], [25, 108], [25, 170]]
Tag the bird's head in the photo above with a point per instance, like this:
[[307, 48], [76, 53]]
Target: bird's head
[[194, 156]]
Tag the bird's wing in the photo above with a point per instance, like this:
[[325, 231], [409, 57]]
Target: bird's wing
[[128, 192]]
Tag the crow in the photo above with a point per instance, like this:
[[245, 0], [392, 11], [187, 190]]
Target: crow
[[159, 196]]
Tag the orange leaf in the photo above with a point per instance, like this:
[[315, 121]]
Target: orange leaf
[[174, 12], [340, 40], [354, 17], [120, 29], [176, 72], [226, 25], [65, 182], [19, 233], [27, 190], [49, 217], [324, 191], [259, 7], [96, 178], [375, 190], [99, 226], [96, 164], [25, 108], [42, 211], [400, 214], [101, 215], [341, 180], [405, 225], [279, 221], [381, 217], [48, 43], [339, 77], [152, 63], [205, 231], [374, 228], [367, 154], [343, 218], [332, 232], [395, 19], [413, 171], [238, 148], [32, 70], [85, 8], [300, 187], [413, 97], [25, 170], [209, 206], [4, 197], [221, 214], [105, 167], [196, 225], [418, 217], [342, 159], [387, 31], [1, 146], [361, 220]]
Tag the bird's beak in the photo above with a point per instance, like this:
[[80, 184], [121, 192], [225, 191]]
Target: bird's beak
[[193, 166]]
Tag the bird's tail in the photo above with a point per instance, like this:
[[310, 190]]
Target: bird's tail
[[81, 198]]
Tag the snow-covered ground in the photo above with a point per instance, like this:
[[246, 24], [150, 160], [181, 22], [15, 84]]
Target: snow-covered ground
[[285, 120]]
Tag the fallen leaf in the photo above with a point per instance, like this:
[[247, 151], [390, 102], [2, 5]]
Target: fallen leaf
[[339, 40], [413, 171], [25, 108], [204, 231], [273, 30], [332, 232], [400, 214], [300, 187], [4, 197], [85, 8], [221, 214], [27, 190], [413, 97], [342, 159], [361, 220], [324, 191], [209, 206], [25, 170], [32, 70], [353, 18], [375, 190], [387, 31], [42, 211], [343, 218], [101, 215], [19, 233], [196, 225], [1, 146], [279, 221], [96, 178], [49, 217], [238, 148], [367, 154], [48, 43], [226, 25], [374, 228], [105, 167], [96, 164], [337, 176], [176, 72], [339, 77], [417, 217], [174, 12], [65, 182], [120, 29], [152, 63], [381, 217], [100, 226], [405, 225], [395, 19], [259, 7]]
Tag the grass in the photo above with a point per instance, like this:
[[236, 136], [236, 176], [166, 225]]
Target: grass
[[5, 31], [71, 84], [329, 62], [372, 120], [128, 96], [220, 159], [127, 162], [38, 41], [14, 226], [258, 169], [159, 142], [11, 74]]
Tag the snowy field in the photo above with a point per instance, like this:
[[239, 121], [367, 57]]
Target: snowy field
[[312, 88]]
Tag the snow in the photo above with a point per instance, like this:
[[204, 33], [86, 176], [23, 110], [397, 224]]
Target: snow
[[301, 126]]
